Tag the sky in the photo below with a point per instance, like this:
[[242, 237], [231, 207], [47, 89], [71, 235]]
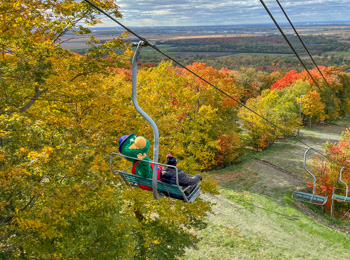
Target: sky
[[226, 12]]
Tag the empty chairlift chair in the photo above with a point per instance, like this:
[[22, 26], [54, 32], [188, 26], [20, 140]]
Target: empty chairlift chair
[[310, 197], [345, 194], [340, 194]]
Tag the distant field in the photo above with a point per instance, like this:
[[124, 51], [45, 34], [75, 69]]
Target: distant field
[[158, 35], [233, 47], [263, 54], [151, 52], [338, 53]]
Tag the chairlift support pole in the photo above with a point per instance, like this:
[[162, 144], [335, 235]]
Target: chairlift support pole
[[149, 119], [134, 180]]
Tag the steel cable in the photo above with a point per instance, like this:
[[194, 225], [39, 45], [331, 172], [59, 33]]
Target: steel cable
[[302, 42], [206, 81], [290, 45], [306, 49]]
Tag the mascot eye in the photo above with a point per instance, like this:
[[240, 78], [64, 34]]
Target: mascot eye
[[132, 140]]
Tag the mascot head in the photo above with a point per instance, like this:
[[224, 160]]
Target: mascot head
[[132, 145]]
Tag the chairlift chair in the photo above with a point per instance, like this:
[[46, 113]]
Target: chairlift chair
[[307, 196], [344, 196], [137, 181], [170, 190]]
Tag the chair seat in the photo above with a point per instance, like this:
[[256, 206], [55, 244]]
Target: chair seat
[[161, 186], [311, 197], [341, 197]]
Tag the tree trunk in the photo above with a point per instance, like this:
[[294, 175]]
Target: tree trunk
[[31, 102]]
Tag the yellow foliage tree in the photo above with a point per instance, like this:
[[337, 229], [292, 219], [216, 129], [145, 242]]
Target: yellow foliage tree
[[313, 107], [277, 118], [192, 117], [61, 114]]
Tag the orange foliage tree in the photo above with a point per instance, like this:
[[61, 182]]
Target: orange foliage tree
[[327, 170], [289, 78], [334, 93]]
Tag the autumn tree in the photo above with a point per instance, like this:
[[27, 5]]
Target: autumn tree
[[332, 87], [196, 124], [249, 81], [327, 170], [344, 93], [274, 116], [61, 116], [271, 78], [285, 82], [312, 106]]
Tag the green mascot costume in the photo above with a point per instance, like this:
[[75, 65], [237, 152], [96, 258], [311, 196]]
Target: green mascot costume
[[137, 147]]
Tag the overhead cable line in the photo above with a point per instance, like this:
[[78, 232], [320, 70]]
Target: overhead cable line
[[285, 37], [296, 54], [146, 42], [302, 42], [183, 66], [290, 45]]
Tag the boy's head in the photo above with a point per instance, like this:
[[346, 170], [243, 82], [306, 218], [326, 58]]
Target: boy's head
[[170, 160]]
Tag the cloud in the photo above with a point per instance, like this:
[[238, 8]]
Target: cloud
[[209, 12]]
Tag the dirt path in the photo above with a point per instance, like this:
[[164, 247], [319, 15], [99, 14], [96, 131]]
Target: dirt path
[[291, 155]]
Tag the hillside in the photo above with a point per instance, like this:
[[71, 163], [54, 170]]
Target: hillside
[[254, 216]]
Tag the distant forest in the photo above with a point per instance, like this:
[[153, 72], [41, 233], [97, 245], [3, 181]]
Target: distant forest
[[259, 44], [267, 62], [261, 52]]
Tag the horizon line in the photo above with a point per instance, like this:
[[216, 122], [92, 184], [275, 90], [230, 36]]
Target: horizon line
[[222, 25]]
